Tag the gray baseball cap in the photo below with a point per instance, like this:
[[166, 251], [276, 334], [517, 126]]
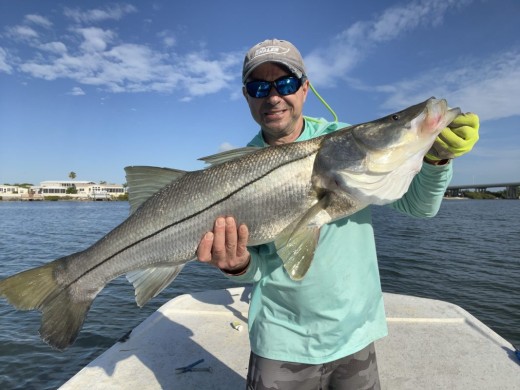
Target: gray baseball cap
[[273, 50]]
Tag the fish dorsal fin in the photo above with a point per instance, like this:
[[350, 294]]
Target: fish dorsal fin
[[298, 241], [229, 155], [144, 181], [149, 282]]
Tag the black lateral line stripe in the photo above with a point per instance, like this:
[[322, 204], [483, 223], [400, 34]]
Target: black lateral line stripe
[[186, 218]]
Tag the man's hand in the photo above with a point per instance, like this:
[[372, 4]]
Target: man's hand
[[455, 140], [225, 247]]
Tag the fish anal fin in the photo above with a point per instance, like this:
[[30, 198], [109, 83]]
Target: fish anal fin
[[144, 181], [149, 282], [298, 241]]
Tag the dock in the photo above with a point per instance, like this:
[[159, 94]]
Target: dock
[[431, 345]]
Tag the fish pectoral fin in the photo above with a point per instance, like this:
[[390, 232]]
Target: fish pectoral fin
[[149, 282], [297, 253], [298, 241], [229, 155], [144, 181]]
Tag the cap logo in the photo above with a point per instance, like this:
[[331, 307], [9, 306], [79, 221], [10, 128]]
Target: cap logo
[[270, 50]]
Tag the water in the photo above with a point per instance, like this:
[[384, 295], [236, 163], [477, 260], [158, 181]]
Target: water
[[469, 255]]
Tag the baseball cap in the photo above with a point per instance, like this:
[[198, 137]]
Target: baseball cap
[[273, 50]]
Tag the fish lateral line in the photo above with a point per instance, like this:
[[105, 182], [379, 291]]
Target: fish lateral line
[[175, 223]]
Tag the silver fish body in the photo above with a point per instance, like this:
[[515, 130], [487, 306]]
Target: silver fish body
[[284, 194]]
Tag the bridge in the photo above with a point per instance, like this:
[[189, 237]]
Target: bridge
[[512, 189]]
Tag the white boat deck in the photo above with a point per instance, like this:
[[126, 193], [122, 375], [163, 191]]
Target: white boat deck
[[431, 345]]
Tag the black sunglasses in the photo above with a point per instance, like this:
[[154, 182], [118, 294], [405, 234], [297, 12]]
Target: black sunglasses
[[286, 85]]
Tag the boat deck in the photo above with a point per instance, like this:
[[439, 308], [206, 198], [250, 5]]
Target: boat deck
[[431, 345]]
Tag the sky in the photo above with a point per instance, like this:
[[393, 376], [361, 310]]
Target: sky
[[94, 86]]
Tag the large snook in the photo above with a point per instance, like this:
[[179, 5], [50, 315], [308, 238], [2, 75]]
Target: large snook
[[283, 193]]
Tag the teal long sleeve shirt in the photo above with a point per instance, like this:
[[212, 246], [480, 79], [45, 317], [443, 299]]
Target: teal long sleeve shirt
[[337, 309]]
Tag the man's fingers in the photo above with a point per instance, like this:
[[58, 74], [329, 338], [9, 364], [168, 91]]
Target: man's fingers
[[226, 246], [231, 237], [219, 241], [243, 237], [205, 246]]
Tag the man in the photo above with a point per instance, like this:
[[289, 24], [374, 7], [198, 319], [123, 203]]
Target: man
[[319, 332]]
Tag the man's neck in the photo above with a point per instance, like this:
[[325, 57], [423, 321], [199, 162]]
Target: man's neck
[[291, 137]]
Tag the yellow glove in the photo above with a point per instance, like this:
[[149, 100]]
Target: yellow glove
[[455, 140]]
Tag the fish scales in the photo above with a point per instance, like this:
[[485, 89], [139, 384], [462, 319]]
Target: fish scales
[[172, 234]]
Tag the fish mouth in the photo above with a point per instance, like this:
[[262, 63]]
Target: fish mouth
[[437, 115]]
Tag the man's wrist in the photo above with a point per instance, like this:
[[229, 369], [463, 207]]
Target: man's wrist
[[437, 162], [239, 270]]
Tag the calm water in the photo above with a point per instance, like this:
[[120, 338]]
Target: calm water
[[469, 255]]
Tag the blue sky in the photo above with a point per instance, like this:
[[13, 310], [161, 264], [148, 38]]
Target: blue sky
[[94, 86]]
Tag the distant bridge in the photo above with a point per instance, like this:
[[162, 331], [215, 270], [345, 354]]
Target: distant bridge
[[512, 191]]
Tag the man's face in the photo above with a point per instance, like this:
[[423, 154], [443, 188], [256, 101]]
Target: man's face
[[280, 117]]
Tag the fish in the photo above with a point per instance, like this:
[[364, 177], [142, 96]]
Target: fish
[[283, 193]]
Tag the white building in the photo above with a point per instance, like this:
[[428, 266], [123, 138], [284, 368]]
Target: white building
[[79, 189], [8, 192], [84, 190]]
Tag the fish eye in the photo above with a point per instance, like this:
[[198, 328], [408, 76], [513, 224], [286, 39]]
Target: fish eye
[[395, 117]]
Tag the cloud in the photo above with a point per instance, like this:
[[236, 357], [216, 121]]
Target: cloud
[[38, 20], [121, 68], [4, 65], [25, 32], [96, 56], [487, 87], [77, 91], [168, 38], [22, 33], [225, 146], [202, 76], [352, 45], [53, 47], [113, 12], [95, 39], [488, 164]]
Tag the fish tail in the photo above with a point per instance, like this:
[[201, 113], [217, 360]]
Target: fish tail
[[38, 289]]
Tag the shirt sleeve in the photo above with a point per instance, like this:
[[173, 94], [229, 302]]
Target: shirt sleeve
[[424, 196]]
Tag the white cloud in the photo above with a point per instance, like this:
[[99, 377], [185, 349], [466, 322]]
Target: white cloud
[[113, 12], [22, 32], [203, 76], [168, 38], [38, 20], [4, 65], [225, 146], [95, 39], [54, 47], [77, 91], [487, 165], [352, 45], [396, 20], [490, 88], [96, 56]]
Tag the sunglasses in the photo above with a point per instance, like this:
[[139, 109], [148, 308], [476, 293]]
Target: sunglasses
[[286, 85]]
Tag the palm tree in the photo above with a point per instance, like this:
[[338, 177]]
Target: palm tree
[[72, 175]]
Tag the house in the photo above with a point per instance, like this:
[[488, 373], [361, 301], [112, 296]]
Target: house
[[8, 192], [79, 189], [72, 189]]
